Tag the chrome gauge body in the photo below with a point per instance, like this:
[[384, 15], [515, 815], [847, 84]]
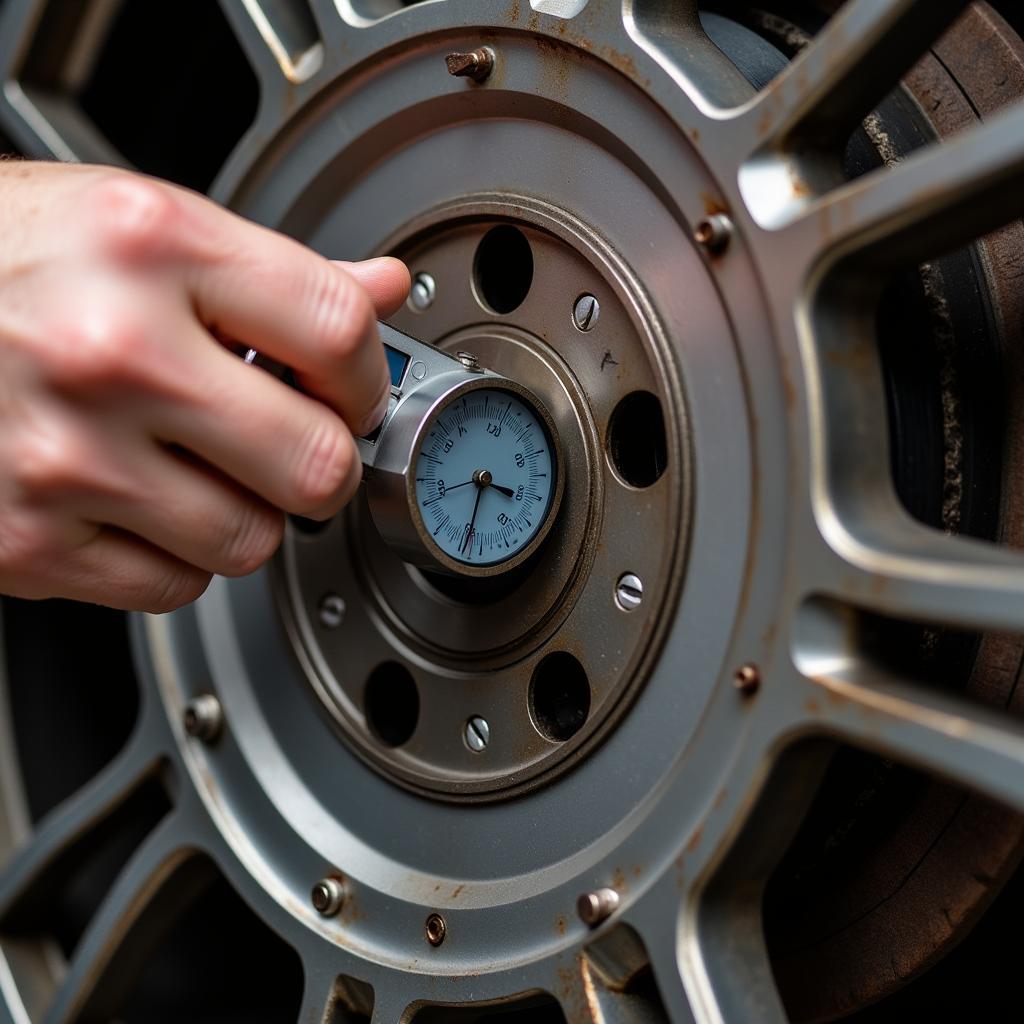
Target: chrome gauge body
[[485, 477], [463, 476]]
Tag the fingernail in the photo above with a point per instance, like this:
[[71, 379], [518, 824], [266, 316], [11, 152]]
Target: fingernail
[[374, 420]]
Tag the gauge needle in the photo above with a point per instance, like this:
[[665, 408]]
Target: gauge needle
[[504, 490], [469, 533]]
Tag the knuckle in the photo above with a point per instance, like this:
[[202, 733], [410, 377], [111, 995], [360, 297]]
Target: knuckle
[[48, 463], [134, 215], [253, 538], [324, 470], [27, 549], [103, 343], [342, 315], [175, 589]]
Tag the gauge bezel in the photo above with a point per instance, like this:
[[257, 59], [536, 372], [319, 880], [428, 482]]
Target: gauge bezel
[[444, 560]]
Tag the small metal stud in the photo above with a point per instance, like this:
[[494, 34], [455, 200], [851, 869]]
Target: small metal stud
[[629, 592], [477, 733], [586, 313], [423, 292], [476, 64], [747, 679], [203, 717], [597, 906], [332, 611], [435, 929], [327, 897], [714, 233]]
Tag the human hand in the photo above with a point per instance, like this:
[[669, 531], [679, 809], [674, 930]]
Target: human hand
[[138, 453]]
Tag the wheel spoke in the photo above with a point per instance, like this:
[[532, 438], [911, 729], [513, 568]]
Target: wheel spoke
[[858, 56], [74, 819], [280, 38], [935, 200], [672, 34], [135, 913], [945, 735], [894, 566]]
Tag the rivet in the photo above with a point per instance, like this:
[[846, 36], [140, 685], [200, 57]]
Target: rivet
[[203, 718], [714, 233], [597, 906], [332, 611], [747, 679], [435, 929], [327, 897], [423, 292]]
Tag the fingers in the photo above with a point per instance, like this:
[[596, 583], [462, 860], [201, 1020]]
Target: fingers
[[304, 311], [385, 279], [188, 511], [290, 449], [125, 572]]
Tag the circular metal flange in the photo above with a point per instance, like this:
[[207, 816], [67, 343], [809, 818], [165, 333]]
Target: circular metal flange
[[470, 648]]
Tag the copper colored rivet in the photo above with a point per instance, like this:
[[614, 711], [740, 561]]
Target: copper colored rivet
[[436, 929], [747, 680]]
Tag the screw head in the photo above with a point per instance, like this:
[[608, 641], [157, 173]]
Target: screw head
[[586, 313], [629, 592], [332, 611], [423, 293], [468, 360], [327, 897], [203, 718], [714, 233], [747, 679], [477, 733], [597, 906], [476, 65], [435, 929]]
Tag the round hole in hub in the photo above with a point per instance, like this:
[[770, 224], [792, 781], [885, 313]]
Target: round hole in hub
[[392, 703], [637, 446], [503, 268], [559, 696]]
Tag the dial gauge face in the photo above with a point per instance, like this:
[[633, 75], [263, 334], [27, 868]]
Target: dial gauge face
[[485, 477]]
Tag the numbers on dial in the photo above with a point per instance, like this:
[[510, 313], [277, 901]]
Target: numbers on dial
[[485, 477]]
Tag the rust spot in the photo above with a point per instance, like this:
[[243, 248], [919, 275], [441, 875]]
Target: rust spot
[[695, 839], [618, 879], [713, 204], [560, 924], [719, 799], [812, 707], [695, 135], [514, 12], [457, 890]]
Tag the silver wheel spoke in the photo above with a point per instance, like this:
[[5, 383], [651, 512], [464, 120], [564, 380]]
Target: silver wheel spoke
[[672, 34], [79, 814], [944, 196], [858, 56], [900, 568], [121, 925], [280, 38], [944, 735]]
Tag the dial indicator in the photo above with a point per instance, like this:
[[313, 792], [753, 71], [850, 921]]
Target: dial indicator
[[485, 477]]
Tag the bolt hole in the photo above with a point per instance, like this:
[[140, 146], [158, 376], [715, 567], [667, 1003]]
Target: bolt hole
[[637, 445], [392, 703], [503, 268], [559, 696]]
